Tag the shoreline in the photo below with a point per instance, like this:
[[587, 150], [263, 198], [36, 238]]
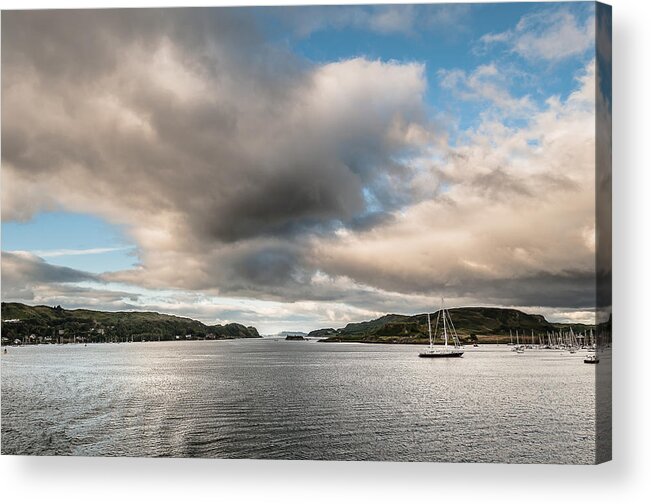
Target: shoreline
[[494, 340]]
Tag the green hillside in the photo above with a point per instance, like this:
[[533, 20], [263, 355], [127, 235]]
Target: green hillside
[[19, 321], [472, 324]]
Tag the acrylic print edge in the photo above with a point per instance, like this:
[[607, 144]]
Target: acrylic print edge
[[603, 225]]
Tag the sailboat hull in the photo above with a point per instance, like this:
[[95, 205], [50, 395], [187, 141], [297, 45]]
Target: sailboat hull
[[438, 355]]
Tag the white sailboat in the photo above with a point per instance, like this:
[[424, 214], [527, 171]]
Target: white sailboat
[[447, 350], [592, 357], [573, 345], [518, 348]]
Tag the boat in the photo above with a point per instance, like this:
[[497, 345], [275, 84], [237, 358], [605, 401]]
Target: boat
[[518, 348], [591, 359], [447, 350], [572, 342]]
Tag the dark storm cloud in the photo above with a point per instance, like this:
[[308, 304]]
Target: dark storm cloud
[[575, 289], [34, 269], [268, 267], [29, 278], [370, 220], [190, 110], [85, 44], [269, 204], [21, 272]]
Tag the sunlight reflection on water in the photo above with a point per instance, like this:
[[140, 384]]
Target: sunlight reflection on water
[[297, 400]]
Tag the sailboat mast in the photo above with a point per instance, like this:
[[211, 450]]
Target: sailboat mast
[[445, 330], [429, 327]]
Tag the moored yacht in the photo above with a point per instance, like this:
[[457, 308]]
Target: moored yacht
[[448, 350], [591, 359]]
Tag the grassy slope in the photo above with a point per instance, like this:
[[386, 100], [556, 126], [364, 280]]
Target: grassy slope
[[42, 320], [488, 324]]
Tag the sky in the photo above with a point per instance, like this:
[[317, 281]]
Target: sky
[[295, 168]]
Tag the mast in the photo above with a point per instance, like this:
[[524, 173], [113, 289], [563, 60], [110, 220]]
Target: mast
[[429, 327], [445, 331]]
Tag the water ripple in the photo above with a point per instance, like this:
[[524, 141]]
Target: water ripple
[[297, 400]]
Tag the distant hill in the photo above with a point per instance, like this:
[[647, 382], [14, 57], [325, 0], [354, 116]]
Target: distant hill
[[323, 333], [481, 324], [21, 320]]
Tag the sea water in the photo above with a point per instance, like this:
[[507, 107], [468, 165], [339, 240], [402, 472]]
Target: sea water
[[276, 399]]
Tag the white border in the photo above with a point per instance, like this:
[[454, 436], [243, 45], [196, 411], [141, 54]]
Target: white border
[[626, 479]]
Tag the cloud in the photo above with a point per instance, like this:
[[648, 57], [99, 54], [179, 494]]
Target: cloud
[[407, 20], [603, 112], [161, 122], [35, 269], [71, 252], [550, 34], [489, 84], [511, 224], [22, 271], [196, 139], [30, 279], [314, 192]]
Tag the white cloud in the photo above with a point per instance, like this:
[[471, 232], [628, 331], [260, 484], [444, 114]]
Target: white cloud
[[72, 252], [519, 206], [383, 19], [393, 18], [550, 34], [487, 83]]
